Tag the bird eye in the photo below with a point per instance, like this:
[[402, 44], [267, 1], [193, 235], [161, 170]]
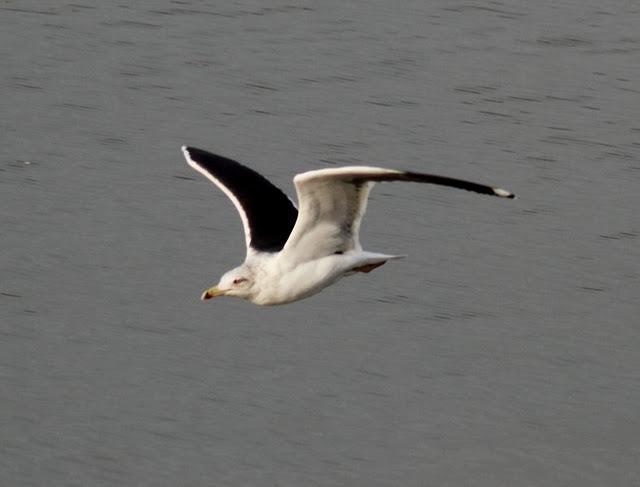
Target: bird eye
[[239, 280]]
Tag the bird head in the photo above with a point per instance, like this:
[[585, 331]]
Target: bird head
[[237, 282]]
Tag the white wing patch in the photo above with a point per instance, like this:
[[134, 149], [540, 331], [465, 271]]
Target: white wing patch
[[343, 173], [331, 204]]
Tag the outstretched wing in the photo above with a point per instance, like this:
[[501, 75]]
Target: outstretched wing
[[267, 214], [332, 203]]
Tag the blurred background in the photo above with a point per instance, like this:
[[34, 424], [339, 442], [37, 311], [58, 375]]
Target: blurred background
[[503, 351]]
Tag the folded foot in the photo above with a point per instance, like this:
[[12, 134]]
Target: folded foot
[[369, 267]]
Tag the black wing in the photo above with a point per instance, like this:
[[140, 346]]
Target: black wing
[[268, 215], [418, 177]]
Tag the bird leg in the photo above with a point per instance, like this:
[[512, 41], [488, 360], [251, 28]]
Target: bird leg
[[368, 267]]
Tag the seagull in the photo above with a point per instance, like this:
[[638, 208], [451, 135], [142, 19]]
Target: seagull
[[294, 253]]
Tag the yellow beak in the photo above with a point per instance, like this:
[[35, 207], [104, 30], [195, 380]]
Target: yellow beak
[[212, 292]]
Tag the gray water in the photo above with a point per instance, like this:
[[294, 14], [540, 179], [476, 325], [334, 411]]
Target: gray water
[[505, 350]]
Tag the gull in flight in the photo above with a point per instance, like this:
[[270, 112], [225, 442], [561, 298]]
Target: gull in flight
[[293, 253]]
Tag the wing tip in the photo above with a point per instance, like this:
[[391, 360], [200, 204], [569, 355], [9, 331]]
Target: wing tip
[[186, 151], [503, 193]]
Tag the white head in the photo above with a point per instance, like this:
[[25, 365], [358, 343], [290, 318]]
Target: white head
[[237, 282]]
